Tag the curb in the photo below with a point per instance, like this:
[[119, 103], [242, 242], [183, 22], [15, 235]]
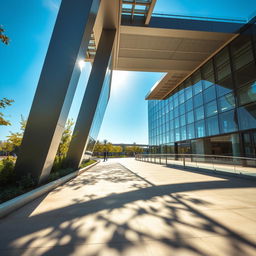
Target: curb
[[19, 201]]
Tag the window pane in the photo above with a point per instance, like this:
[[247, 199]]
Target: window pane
[[224, 86], [209, 94], [172, 124], [181, 97], [183, 133], [211, 108], [171, 115], [176, 100], [189, 105], [171, 104], [171, 135], [188, 92], [199, 113], [190, 131], [241, 50], [226, 102], [182, 109], [177, 134], [197, 81], [176, 112], [190, 117], [228, 122], [198, 100], [243, 61], [222, 64], [200, 129], [176, 122], [247, 94], [182, 120], [208, 74], [247, 117], [212, 125]]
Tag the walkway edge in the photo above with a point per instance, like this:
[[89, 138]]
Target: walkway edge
[[19, 201]]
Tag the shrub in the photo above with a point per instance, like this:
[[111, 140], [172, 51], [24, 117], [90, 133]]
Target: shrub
[[7, 174]]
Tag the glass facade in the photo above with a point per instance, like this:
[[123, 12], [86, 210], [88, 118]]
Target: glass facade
[[217, 101], [99, 113]]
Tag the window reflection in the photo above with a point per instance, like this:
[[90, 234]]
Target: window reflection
[[228, 122], [212, 125], [247, 117], [226, 102]]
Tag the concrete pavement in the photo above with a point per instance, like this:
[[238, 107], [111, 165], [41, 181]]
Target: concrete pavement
[[127, 207]]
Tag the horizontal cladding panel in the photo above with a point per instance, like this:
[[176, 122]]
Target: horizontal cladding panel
[[166, 55], [174, 33], [168, 43], [158, 65]]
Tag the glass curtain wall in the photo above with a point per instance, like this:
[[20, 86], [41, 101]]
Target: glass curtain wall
[[218, 99]]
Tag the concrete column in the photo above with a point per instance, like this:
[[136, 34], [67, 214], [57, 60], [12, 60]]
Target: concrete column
[[56, 87], [84, 121], [235, 144]]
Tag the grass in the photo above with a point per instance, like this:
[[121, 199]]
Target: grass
[[87, 163]]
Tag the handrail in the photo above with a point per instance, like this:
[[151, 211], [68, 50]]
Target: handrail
[[202, 155], [244, 166]]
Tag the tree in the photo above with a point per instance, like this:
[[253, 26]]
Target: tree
[[15, 138], [98, 148], [6, 147], [5, 39], [65, 139], [3, 104]]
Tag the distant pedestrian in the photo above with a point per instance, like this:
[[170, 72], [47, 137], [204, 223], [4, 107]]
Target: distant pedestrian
[[105, 156]]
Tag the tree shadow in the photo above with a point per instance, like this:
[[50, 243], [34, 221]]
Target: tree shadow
[[117, 223]]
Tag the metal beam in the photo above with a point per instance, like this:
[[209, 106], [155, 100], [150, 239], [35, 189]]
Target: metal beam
[[56, 88], [150, 10], [92, 94], [185, 24]]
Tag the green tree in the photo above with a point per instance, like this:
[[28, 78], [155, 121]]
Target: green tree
[[98, 148], [6, 147], [15, 138], [5, 39], [3, 104], [65, 139]]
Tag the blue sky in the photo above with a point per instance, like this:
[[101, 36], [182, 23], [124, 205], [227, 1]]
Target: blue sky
[[29, 24]]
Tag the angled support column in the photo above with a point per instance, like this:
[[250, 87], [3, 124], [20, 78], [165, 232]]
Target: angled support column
[[86, 114], [56, 87]]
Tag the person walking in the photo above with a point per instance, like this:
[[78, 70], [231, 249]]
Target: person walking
[[105, 156]]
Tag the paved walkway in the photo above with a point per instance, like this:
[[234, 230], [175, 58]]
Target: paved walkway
[[127, 207]]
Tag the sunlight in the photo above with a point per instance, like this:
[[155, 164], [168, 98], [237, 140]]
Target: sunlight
[[81, 64], [120, 81]]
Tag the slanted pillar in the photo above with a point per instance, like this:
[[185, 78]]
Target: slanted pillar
[[56, 87], [101, 64]]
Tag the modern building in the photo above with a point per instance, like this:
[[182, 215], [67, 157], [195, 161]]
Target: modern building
[[201, 86], [213, 110]]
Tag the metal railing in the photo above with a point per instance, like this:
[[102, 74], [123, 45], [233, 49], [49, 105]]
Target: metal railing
[[230, 164]]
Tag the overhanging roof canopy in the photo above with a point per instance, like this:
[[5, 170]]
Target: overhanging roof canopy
[[160, 44]]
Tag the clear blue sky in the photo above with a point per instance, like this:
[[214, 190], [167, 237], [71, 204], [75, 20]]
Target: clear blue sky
[[29, 24]]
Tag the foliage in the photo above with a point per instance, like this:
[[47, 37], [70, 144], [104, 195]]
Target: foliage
[[5, 39], [14, 139], [7, 174], [131, 150], [6, 147], [59, 173], [87, 163], [65, 139], [60, 158], [102, 147], [3, 104]]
